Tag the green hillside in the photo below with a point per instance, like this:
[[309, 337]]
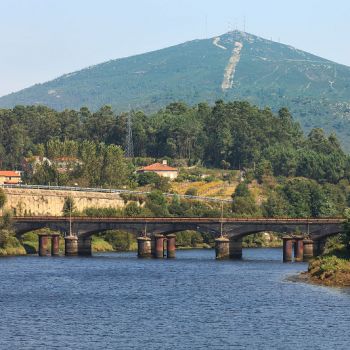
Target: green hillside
[[233, 66]]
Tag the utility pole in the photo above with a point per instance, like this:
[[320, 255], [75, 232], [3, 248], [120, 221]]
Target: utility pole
[[129, 149], [222, 219], [70, 219]]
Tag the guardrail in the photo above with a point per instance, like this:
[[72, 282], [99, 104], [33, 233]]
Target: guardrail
[[111, 190]]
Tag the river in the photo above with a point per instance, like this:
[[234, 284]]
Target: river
[[116, 301]]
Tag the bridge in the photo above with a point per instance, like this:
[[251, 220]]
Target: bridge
[[157, 236]]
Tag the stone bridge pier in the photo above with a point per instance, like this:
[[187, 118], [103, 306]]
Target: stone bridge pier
[[304, 248], [44, 248], [158, 246], [77, 246], [161, 240], [228, 248]]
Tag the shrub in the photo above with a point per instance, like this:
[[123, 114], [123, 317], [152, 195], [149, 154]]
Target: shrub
[[132, 209], [162, 184], [192, 191], [2, 198], [157, 204], [120, 241], [102, 212], [147, 178], [68, 206]]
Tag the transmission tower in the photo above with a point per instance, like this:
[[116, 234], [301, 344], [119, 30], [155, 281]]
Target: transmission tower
[[129, 149]]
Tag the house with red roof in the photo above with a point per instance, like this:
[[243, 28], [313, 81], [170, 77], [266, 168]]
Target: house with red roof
[[10, 177], [162, 169]]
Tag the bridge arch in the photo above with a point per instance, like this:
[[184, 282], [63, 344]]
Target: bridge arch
[[19, 232], [168, 231]]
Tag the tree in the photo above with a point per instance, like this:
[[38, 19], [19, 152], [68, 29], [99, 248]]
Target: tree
[[243, 202], [177, 207], [45, 174], [147, 178], [99, 125], [346, 229], [156, 202], [3, 198], [263, 168], [133, 209], [192, 191], [275, 206], [68, 206], [162, 184]]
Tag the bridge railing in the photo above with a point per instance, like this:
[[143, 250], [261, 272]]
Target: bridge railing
[[184, 219]]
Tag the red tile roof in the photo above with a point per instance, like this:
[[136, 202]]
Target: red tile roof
[[9, 173], [158, 167]]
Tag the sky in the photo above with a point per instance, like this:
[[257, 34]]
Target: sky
[[43, 39]]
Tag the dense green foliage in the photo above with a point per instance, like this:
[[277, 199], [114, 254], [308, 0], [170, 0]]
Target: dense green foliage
[[9, 244], [230, 135], [68, 206], [303, 176], [302, 197], [2, 198], [243, 202]]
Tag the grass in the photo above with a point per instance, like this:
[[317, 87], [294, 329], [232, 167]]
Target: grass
[[30, 242], [330, 270], [264, 239], [333, 267], [217, 188], [12, 247], [100, 245]]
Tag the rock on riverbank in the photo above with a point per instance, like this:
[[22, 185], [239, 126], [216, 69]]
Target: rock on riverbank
[[328, 271]]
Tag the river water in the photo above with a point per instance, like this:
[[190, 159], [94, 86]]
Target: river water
[[116, 301]]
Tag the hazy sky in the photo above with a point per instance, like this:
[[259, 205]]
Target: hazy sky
[[42, 39]]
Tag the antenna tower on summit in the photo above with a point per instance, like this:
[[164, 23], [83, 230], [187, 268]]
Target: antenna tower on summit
[[129, 149]]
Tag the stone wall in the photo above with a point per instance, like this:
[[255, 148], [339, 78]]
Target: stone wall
[[23, 202]]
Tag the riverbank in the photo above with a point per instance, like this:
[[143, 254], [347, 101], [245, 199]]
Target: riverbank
[[328, 271], [12, 246]]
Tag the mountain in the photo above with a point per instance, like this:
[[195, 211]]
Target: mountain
[[235, 65]]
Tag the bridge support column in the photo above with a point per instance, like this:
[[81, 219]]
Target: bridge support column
[[158, 246], [222, 248], [55, 245], [308, 249], [298, 249], [144, 247], [171, 246], [84, 246], [236, 248], [71, 245], [44, 245], [287, 249]]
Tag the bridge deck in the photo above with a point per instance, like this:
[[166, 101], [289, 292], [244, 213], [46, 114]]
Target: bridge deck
[[303, 221]]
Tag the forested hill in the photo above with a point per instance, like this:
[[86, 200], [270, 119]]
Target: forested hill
[[233, 135], [233, 66]]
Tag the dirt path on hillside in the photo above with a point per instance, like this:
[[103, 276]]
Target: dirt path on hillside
[[216, 43], [231, 67]]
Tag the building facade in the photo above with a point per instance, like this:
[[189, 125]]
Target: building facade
[[162, 169], [10, 177]]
